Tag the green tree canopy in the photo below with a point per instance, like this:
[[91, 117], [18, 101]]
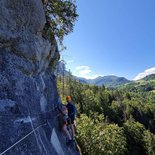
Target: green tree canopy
[[61, 16]]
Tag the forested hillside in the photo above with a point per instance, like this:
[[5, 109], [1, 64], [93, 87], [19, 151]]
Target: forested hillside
[[113, 121], [108, 81], [146, 84]]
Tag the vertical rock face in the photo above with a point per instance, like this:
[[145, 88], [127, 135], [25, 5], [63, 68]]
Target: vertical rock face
[[28, 94]]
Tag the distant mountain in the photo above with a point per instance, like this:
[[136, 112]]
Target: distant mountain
[[108, 81], [149, 77], [146, 84], [82, 80], [115, 81]]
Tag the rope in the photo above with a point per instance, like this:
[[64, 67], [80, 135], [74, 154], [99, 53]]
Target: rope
[[25, 136], [33, 131], [22, 139], [29, 132]]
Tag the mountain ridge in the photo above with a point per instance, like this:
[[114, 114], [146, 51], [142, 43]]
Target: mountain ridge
[[108, 81], [149, 77]]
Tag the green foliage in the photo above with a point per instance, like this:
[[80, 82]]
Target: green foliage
[[141, 86], [114, 121], [96, 137], [61, 16], [149, 77], [140, 141], [149, 142], [134, 133]]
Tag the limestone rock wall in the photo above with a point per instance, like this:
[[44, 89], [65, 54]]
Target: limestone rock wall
[[28, 93]]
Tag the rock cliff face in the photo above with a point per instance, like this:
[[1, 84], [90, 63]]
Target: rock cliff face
[[28, 94]]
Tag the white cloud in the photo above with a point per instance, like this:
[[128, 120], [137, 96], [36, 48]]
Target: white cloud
[[85, 72], [145, 73]]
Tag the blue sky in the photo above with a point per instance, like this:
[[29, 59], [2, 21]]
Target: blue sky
[[112, 37]]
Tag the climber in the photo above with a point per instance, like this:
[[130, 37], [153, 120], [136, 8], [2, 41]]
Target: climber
[[64, 113], [71, 114]]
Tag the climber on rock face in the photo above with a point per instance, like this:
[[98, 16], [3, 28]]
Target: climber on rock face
[[71, 114], [64, 127]]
